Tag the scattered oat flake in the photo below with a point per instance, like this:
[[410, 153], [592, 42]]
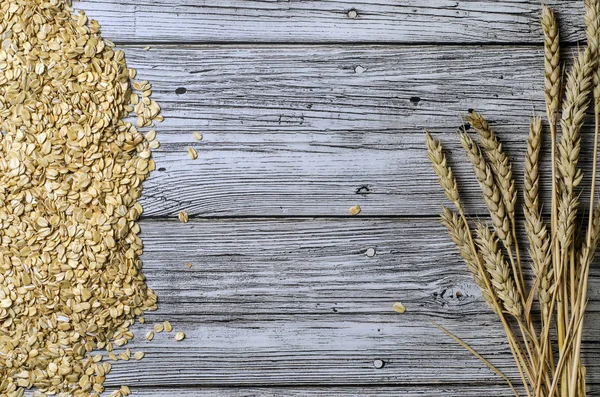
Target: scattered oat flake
[[183, 217], [147, 48], [159, 327], [198, 136], [168, 326], [151, 135], [189, 265], [399, 307], [154, 144], [150, 335], [139, 355], [179, 336], [192, 153], [125, 390], [355, 210]]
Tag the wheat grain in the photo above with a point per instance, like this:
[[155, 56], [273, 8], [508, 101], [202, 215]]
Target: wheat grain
[[499, 271], [491, 193], [458, 232]]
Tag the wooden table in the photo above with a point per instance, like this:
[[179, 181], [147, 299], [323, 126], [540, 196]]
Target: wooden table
[[307, 109]]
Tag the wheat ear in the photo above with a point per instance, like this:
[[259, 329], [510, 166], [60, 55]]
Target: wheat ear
[[498, 161], [502, 170], [498, 270], [592, 20], [442, 170], [491, 192], [577, 90], [457, 230], [552, 69], [537, 233]]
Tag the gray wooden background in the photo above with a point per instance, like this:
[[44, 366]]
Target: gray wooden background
[[307, 109]]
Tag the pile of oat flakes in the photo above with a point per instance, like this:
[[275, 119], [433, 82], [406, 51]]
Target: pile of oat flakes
[[71, 170]]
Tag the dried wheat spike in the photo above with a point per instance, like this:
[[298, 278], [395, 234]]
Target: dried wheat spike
[[459, 234], [567, 212], [499, 162], [592, 21], [552, 69], [499, 271], [534, 144], [491, 192], [536, 229], [447, 181], [577, 90]]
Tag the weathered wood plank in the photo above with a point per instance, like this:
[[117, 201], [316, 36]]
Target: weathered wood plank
[[356, 391], [390, 391], [274, 302], [309, 267], [414, 21], [301, 131]]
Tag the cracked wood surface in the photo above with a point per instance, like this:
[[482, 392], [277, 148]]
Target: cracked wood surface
[[279, 302], [330, 21], [308, 108]]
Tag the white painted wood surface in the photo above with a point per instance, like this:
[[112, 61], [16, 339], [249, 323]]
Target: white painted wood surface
[[339, 21], [306, 111]]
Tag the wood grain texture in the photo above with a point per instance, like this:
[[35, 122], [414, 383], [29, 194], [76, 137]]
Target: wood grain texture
[[348, 391], [315, 21], [308, 109], [280, 302], [294, 131]]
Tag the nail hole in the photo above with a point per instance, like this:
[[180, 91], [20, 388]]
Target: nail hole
[[378, 364], [353, 14], [415, 99], [181, 91]]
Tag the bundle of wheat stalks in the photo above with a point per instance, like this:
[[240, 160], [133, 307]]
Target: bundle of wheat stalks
[[561, 252]]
